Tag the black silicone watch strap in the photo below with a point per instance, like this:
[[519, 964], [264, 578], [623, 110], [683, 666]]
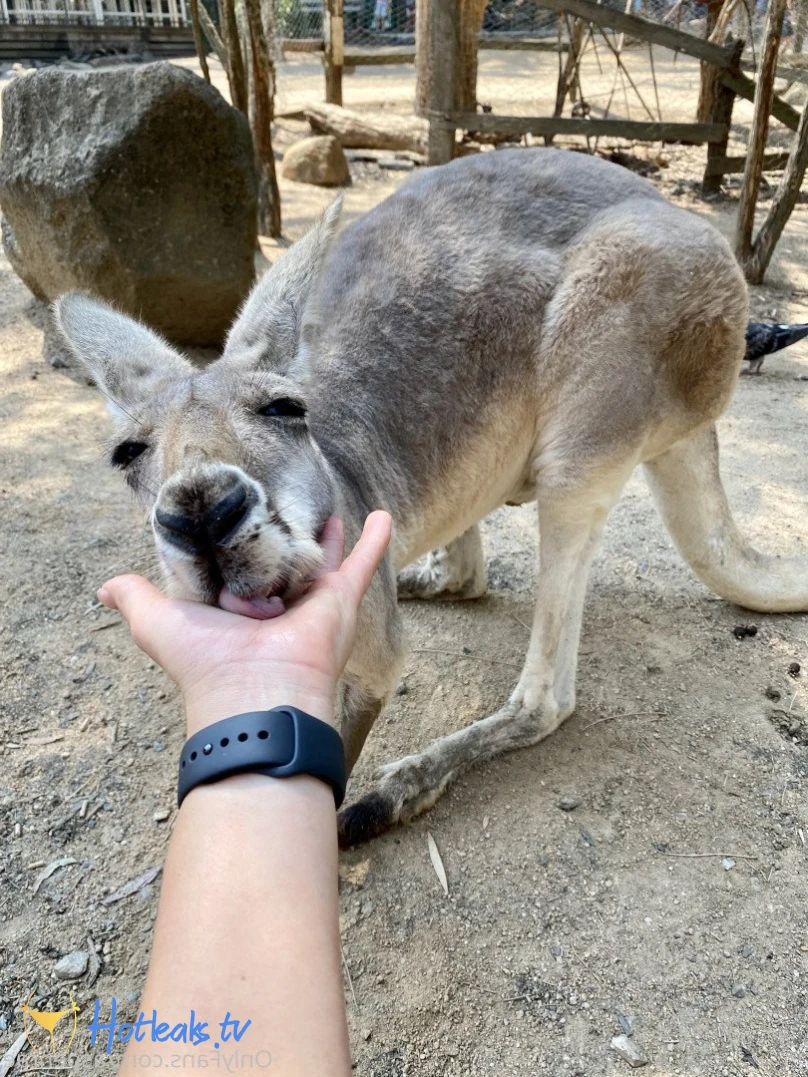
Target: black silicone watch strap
[[280, 743]]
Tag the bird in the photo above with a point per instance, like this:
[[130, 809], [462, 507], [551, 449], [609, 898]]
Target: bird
[[763, 338]]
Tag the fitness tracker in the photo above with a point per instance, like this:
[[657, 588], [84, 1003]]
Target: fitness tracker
[[280, 743]]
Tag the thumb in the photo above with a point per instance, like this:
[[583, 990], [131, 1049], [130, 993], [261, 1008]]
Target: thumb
[[137, 600]]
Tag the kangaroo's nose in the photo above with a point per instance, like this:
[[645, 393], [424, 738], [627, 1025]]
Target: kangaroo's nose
[[199, 533]]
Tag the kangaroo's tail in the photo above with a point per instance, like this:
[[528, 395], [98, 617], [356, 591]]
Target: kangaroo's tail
[[687, 488]]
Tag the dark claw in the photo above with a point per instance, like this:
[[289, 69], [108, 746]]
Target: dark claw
[[365, 819]]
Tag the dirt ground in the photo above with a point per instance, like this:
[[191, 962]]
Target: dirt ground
[[673, 895]]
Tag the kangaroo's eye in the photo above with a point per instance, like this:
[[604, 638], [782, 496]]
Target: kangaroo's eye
[[127, 452], [284, 408]]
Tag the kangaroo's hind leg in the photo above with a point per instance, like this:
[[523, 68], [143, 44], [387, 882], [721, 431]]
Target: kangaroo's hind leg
[[687, 488], [570, 523], [455, 571]]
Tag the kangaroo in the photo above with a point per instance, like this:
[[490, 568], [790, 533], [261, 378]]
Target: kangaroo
[[525, 325]]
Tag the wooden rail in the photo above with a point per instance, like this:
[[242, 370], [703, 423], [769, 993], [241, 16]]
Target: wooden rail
[[487, 123]]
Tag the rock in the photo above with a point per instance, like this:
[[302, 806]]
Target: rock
[[318, 160], [728, 863], [794, 669], [161, 816], [137, 184], [71, 966], [629, 1051], [569, 803], [739, 991]]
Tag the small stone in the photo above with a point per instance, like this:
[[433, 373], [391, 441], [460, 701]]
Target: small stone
[[739, 991], [569, 803], [728, 863], [157, 746], [71, 966], [751, 630], [402, 689], [794, 669], [161, 815], [739, 631], [772, 694], [629, 1051], [366, 1033], [319, 160]]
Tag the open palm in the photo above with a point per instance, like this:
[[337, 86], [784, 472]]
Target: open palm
[[243, 657]]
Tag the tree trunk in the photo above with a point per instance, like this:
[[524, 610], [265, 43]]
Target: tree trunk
[[236, 75], [465, 76], [782, 204], [263, 82], [707, 92], [199, 41], [764, 95]]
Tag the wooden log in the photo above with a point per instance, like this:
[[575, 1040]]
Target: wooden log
[[645, 29], [334, 59], [723, 99], [444, 49], [645, 131], [760, 129], [785, 198], [728, 166], [372, 131]]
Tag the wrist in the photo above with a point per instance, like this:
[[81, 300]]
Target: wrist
[[209, 703]]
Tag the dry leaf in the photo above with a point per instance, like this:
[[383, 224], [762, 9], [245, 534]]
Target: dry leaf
[[10, 1057], [132, 886], [54, 865], [437, 863]]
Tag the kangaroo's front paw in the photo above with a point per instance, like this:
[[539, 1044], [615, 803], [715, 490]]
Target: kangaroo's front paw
[[407, 787], [369, 817]]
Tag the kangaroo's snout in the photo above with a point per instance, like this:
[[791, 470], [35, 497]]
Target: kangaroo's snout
[[198, 534], [205, 509]]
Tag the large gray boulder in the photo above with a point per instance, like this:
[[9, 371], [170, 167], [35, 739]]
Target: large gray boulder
[[137, 184]]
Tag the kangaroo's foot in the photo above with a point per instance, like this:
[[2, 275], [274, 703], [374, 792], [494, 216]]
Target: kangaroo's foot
[[413, 784], [456, 571]]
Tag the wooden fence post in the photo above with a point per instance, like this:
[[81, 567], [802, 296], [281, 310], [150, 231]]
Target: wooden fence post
[[334, 56], [764, 97], [444, 38], [723, 100]]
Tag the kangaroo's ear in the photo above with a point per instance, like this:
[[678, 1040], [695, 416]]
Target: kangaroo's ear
[[277, 324], [127, 361]]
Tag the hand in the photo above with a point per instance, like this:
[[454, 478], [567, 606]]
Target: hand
[[227, 662]]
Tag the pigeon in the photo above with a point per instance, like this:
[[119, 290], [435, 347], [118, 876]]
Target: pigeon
[[763, 338]]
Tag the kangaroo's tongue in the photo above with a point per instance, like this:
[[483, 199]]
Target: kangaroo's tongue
[[260, 609]]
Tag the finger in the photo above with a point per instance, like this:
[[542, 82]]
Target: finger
[[332, 541], [363, 560], [128, 593]]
